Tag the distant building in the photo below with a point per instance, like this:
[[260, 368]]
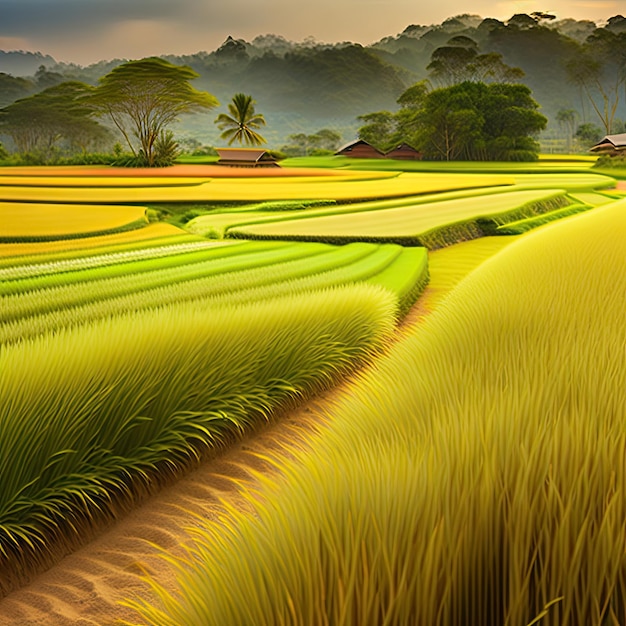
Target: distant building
[[360, 149], [245, 157], [404, 152], [611, 144]]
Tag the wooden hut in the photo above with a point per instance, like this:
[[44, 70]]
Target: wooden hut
[[404, 152], [360, 149], [613, 145], [245, 157]]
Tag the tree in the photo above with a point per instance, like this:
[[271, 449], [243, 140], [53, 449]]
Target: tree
[[478, 121], [599, 69], [143, 98], [567, 121], [41, 122], [321, 142], [588, 134], [459, 61], [379, 129], [240, 125]]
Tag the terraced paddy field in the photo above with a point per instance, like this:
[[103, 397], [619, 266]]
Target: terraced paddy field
[[128, 358]]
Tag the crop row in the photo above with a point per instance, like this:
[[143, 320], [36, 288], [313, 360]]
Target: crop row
[[111, 402], [75, 262], [404, 272], [69, 290], [521, 226], [185, 262], [432, 224], [34, 252], [476, 476]]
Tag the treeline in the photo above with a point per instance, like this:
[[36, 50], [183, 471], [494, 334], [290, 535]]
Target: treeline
[[570, 66]]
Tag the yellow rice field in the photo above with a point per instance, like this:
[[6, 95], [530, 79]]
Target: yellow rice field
[[359, 186], [150, 231], [44, 220]]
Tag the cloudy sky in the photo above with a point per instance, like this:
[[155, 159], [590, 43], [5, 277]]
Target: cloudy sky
[[84, 31]]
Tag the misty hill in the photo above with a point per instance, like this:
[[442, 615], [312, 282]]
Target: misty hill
[[305, 86]]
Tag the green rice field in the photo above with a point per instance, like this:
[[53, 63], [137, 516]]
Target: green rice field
[[471, 473]]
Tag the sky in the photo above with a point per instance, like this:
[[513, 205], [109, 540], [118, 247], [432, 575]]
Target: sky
[[86, 31]]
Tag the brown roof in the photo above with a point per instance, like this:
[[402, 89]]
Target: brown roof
[[360, 146], [245, 157], [610, 141], [404, 151]]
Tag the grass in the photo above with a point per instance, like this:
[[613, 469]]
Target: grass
[[430, 224], [27, 252], [521, 226], [403, 272], [89, 261], [24, 222], [119, 399], [475, 477]]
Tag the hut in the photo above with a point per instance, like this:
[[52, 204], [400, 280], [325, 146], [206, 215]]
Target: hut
[[246, 157], [404, 152], [360, 149], [612, 145]]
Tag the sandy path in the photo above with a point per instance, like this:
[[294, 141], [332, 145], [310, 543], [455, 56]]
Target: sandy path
[[85, 587]]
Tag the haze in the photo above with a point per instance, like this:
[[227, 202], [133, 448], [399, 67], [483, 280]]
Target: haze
[[85, 31]]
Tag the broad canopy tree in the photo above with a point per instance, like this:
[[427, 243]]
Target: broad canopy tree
[[57, 115], [143, 98], [470, 121]]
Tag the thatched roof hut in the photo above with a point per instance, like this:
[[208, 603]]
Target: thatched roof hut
[[245, 157], [611, 144]]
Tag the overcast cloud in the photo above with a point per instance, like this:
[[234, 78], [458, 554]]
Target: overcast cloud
[[85, 31]]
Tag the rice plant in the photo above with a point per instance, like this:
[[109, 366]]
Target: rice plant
[[114, 401], [475, 477]]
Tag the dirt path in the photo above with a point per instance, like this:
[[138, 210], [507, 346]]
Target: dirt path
[[85, 587]]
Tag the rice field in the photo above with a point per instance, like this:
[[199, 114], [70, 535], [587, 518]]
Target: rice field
[[33, 221], [426, 224], [483, 445], [475, 476]]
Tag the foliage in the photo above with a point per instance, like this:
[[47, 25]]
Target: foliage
[[598, 69], [459, 61], [166, 149], [470, 121], [143, 98], [322, 141], [39, 124], [242, 122]]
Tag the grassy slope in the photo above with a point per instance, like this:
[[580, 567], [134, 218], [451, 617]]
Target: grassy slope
[[476, 477]]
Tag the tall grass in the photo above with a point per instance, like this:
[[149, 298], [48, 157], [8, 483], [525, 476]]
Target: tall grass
[[17, 253], [87, 412], [320, 269], [476, 477]]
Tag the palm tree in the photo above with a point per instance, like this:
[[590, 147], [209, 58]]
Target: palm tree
[[239, 125]]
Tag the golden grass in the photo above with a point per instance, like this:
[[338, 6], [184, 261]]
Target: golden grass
[[32, 220], [476, 477], [349, 187], [405, 221], [97, 181], [44, 248]]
